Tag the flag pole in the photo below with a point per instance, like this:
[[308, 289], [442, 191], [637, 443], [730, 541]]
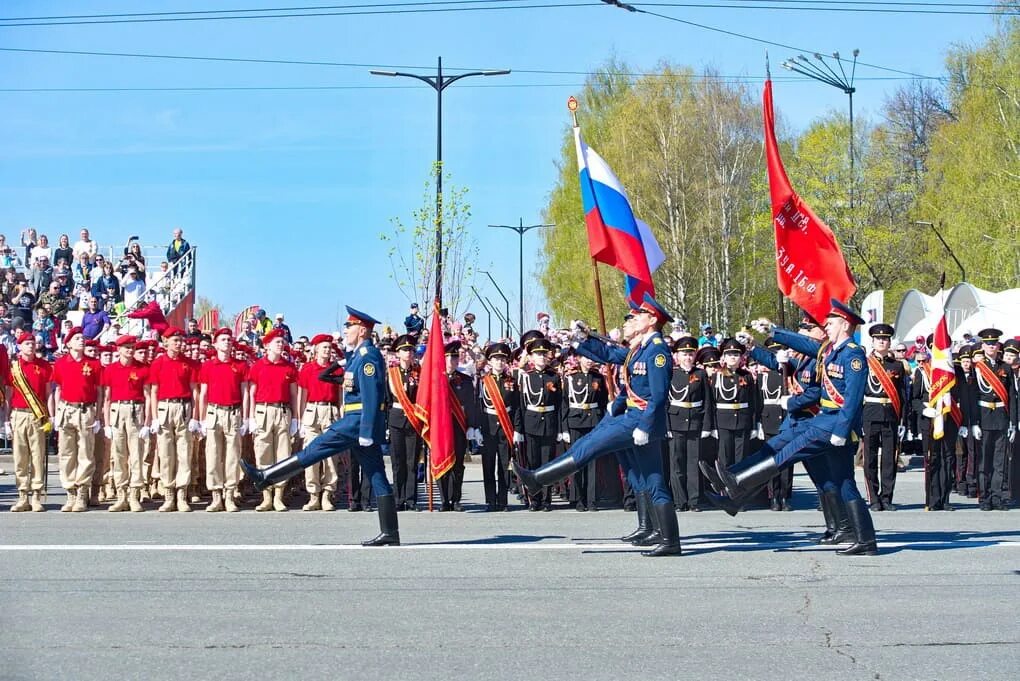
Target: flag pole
[[572, 108]]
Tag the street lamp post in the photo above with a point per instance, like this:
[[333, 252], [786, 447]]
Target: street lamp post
[[439, 82], [963, 272], [488, 311], [521, 229], [507, 302]]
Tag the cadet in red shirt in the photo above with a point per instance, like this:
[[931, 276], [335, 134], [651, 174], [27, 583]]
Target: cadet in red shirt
[[126, 413], [30, 420], [317, 404], [77, 421], [272, 404], [222, 396], [172, 389]]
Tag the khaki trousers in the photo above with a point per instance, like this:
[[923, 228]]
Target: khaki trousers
[[126, 419], [322, 476], [29, 451], [172, 443], [222, 447], [272, 434], [76, 449]]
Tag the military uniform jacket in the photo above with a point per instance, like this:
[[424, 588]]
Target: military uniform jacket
[[409, 379], [735, 388], [804, 399], [982, 396], [691, 405], [463, 388], [877, 408], [540, 403], [364, 390], [770, 390], [511, 399], [584, 400]]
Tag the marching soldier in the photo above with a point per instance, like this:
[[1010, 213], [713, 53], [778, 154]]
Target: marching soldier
[[538, 418], [318, 401], [125, 412], [173, 388], [28, 393], [405, 442], [884, 417], [465, 413], [500, 402], [691, 414], [77, 419], [994, 427], [272, 399], [222, 393], [771, 388], [736, 401], [584, 404]]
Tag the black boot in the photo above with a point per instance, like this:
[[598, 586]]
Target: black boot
[[272, 475], [708, 470], [837, 522], [669, 545], [644, 519], [864, 531], [389, 535], [744, 478], [654, 536], [544, 476], [731, 506]]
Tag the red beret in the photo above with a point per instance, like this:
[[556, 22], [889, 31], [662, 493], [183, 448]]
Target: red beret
[[193, 340], [75, 330], [322, 338], [271, 336], [222, 331], [25, 336], [106, 348], [126, 340], [172, 331], [90, 343]]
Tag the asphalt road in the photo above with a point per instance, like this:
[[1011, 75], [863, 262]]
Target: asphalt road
[[505, 596]]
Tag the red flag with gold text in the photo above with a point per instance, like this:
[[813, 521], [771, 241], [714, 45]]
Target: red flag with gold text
[[810, 266]]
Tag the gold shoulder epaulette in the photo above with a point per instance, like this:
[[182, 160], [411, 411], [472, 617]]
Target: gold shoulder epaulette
[[364, 351], [656, 341]]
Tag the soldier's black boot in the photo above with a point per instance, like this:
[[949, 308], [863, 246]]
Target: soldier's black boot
[[864, 531], [742, 479], [708, 470], [389, 535], [272, 475], [544, 476], [644, 519], [731, 506], [838, 529], [669, 544], [654, 535]]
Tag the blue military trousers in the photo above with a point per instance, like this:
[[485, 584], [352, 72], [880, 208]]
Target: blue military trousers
[[343, 436], [830, 465]]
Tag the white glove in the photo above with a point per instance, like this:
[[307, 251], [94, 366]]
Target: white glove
[[243, 429], [929, 412], [202, 431], [976, 432], [565, 437], [784, 402], [579, 331], [763, 326], [837, 441], [303, 431], [761, 432], [901, 432], [964, 432], [705, 434], [669, 434], [365, 441], [518, 438], [8, 431], [715, 434], [252, 427], [559, 437], [144, 432], [640, 437], [782, 355], [194, 426], [108, 432], [1011, 433], [910, 436], [96, 426], [479, 440], [745, 338], [295, 425], [154, 428]]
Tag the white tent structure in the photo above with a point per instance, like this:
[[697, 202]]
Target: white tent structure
[[968, 310], [918, 313]]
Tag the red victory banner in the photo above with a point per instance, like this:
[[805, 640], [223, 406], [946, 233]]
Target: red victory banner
[[434, 401]]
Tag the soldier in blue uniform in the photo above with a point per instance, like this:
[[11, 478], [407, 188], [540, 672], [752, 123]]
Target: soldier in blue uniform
[[361, 428], [637, 419], [842, 371]]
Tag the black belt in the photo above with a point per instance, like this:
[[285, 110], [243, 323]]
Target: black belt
[[283, 405], [80, 405], [127, 402], [323, 404], [225, 406], [177, 400]]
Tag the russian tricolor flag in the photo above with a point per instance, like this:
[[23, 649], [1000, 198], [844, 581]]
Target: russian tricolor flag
[[615, 236]]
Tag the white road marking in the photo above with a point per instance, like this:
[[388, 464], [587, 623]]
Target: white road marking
[[520, 546]]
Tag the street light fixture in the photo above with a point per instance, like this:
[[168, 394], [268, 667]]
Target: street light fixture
[[439, 82], [507, 302], [963, 272], [521, 229]]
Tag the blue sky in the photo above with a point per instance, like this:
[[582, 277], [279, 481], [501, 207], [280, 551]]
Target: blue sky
[[286, 192]]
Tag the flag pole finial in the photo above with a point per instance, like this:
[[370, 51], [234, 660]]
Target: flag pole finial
[[572, 108]]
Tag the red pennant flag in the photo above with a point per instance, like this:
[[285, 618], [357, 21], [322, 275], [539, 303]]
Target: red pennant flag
[[943, 378], [434, 401], [810, 266]]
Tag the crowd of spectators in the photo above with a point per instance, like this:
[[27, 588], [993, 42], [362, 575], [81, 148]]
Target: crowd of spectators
[[43, 286]]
